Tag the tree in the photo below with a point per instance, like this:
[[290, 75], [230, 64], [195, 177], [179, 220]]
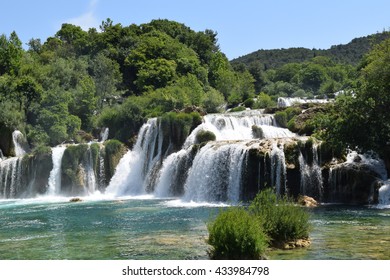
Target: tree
[[106, 75], [11, 53]]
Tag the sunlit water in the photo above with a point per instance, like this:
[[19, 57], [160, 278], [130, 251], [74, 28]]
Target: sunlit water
[[168, 229]]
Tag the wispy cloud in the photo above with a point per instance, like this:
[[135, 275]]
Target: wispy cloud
[[88, 19]]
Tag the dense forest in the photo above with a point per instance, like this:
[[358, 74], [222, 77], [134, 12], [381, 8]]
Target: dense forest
[[350, 53], [77, 82]]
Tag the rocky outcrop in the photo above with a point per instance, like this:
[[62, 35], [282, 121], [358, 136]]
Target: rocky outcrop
[[352, 184], [6, 145]]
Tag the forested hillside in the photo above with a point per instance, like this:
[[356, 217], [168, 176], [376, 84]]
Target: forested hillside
[[76, 82], [350, 53]]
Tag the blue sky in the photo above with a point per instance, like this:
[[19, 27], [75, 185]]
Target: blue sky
[[242, 26]]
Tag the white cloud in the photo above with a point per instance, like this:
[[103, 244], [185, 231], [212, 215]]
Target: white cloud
[[88, 19]]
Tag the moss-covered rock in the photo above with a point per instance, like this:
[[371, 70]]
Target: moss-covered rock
[[35, 173], [72, 171], [257, 132], [204, 136], [113, 152], [176, 127], [6, 145]]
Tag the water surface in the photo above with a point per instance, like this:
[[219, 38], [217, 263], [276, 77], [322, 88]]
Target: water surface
[[168, 229]]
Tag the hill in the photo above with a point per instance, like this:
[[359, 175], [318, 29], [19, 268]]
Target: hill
[[350, 53]]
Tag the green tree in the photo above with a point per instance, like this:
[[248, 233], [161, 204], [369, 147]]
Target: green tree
[[11, 53]]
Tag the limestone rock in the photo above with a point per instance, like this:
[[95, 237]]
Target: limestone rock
[[307, 201]]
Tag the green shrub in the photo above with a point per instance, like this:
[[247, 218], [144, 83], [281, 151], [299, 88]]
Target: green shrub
[[264, 101], [204, 136], [238, 109], [280, 218], [235, 234], [249, 103], [281, 118], [257, 132], [177, 126], [284, 117], [113, 152]]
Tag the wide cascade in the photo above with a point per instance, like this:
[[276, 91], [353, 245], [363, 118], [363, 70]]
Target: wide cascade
[[212, 172], [248, 152]]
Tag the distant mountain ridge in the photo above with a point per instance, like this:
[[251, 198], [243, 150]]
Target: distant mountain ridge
[[350, 53]]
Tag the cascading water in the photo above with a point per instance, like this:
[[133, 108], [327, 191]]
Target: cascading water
[[384, 194], [104, 134], [208, 173], [134, 167], [215, 174], [89, 175], [18, 138], [311, 174], [10, 170], [174, 173], [278, 168], [54, 183], [239, 126]]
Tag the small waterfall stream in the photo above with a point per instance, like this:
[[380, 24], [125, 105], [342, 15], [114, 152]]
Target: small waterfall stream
[[54, 184], [18, 139]]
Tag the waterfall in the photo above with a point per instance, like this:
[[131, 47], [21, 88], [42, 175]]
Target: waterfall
[[311, 174], [173, 174], [238, 126], [1, 155], [278, 168], [384, 194], [215, 174], [10, 173], [18, 139], [102, 172], [284, 102], [89, 175], [136, 164], [104, 134], [54, 183]]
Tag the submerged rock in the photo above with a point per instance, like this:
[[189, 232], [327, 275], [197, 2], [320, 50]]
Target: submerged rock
[[299, 243]]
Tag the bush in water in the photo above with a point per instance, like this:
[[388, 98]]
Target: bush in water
[[235, 234], [280, 218]]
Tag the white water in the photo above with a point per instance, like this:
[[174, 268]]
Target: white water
[[104, 135], [169, 171], [238, 126], [384, 194], [215, 174], [10, 173], [290, 101], [89, 176], [369, 159], [130, 174], [54, 183], [311, 175], [278, 168], [18, 138]]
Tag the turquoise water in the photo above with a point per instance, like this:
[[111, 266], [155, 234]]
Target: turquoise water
[[167, 229]]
